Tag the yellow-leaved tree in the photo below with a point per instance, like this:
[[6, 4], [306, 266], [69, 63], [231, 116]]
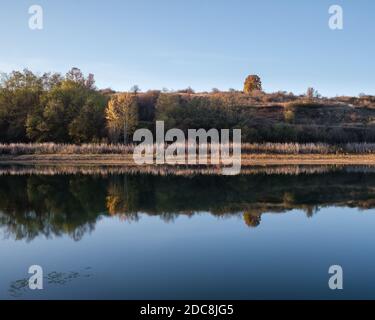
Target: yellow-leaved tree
[[252, 83], [122, 116]]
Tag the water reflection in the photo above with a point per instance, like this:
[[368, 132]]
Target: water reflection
[[34, 205]]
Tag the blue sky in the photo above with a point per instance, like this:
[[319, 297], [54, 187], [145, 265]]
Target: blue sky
[[197, 43]]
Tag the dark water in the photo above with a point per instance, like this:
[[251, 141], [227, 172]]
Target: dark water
[[255, 236]]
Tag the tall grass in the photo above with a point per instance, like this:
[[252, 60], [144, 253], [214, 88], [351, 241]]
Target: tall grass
[[57, 148], [247, 148], [165, 170]]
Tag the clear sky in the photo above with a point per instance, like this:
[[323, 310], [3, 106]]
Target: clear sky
[[197, 43]]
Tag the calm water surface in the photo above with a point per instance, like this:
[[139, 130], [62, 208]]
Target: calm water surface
[[121, 236]]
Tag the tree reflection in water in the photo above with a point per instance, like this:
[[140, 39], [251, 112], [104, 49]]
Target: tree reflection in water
[[71, 204]]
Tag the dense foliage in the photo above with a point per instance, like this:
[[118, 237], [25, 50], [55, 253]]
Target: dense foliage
[[70, 109], [51, 108]]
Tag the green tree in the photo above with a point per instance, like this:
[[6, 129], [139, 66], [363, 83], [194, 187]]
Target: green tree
[[168, 108], [89, 124], [72, 111], [19, 95]]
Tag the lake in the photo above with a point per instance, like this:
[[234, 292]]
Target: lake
[[271, 233]]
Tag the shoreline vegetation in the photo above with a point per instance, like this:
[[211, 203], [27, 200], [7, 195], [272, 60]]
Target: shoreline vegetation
[[119, 157], [16, 149], [56, 120], [70, 109], [53, 169]]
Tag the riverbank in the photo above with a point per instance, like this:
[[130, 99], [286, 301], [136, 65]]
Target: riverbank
[[246, 159], [118, 157]]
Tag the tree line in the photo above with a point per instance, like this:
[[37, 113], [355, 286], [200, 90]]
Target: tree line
[[51, 107], [71, 109]]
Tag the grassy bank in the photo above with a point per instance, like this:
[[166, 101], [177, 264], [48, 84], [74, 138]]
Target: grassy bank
[[17, 149], [252, 154], [246, 159]]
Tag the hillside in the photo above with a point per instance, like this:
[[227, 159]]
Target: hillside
[[71, 109], [276, 117]]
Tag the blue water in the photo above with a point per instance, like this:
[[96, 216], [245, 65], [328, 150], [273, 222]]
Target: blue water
[[193, 254]]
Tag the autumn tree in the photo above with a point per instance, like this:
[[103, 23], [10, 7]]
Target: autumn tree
[[252, 83], [252, 220], [122, 116]]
